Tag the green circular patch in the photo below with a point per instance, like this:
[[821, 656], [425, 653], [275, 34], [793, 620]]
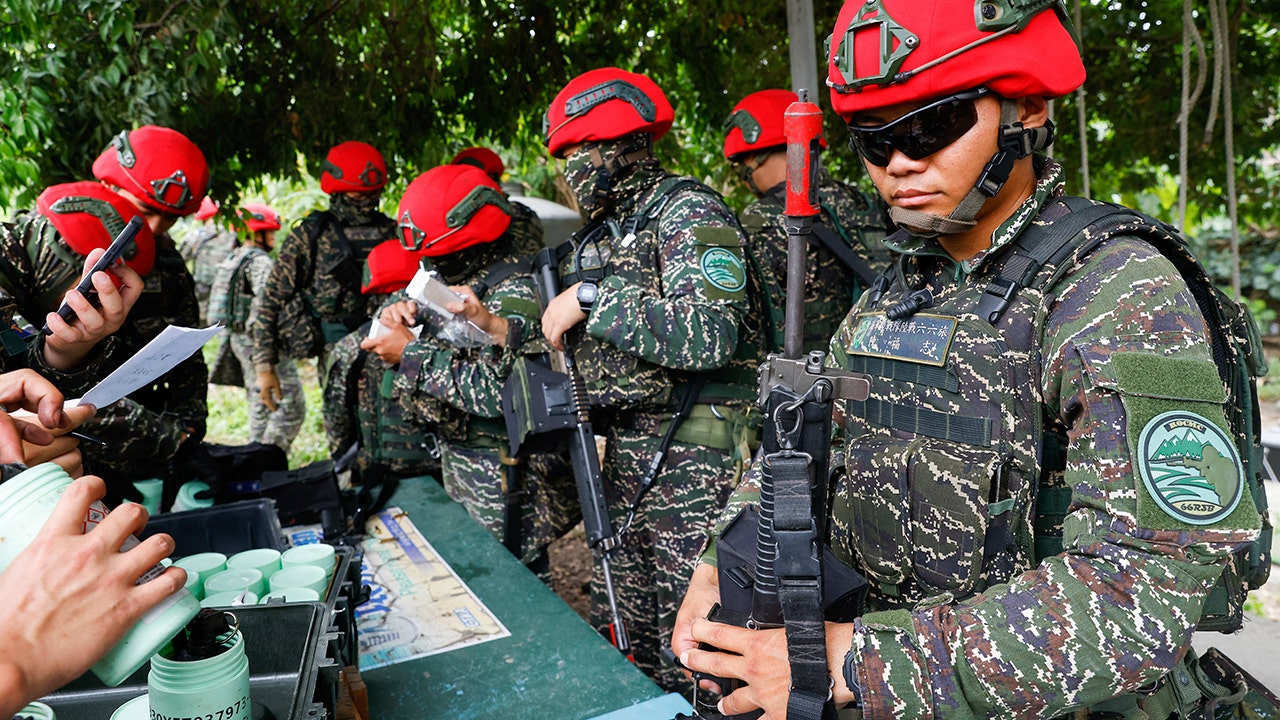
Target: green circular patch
[[723, 269], [1190, 467]]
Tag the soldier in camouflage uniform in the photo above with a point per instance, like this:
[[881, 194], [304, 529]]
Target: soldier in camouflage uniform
[[204, 248], [312, 297], [451, 382], [151, 433], [656, 303], [526, 228], [857, 221], [237, 285], [966, 616], [41, 256], [361, 402]]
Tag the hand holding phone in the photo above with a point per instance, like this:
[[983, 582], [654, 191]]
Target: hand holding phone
[[109, 258]]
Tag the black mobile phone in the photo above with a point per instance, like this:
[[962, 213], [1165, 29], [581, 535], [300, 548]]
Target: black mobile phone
[[109, 258]]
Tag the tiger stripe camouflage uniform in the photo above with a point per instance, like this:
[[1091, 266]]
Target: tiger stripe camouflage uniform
[[145, 430], [658, 320], [248, 269], [457, 391], [963, 619], [525, 231], [361, 405], [319, 263], [30, 287], [204, 249], [831, 288]]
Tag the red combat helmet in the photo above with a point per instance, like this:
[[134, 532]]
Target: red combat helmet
[[885, 52], [389, 268], [89, 215], [483, 158], [756, 123], [353, 166], [258, 217], [208, 208], [451, 208], [605, 104], [950, 52], [161, 167]]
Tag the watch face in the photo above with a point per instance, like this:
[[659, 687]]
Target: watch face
[[587, 296]]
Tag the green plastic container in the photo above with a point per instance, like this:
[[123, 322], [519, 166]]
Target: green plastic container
[[213, 687], [26, 502]]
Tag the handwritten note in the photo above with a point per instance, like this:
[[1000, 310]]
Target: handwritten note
[[160, 356]]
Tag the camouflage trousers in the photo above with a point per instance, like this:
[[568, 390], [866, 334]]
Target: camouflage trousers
[[652, 567], [475, 478], [277, 427]]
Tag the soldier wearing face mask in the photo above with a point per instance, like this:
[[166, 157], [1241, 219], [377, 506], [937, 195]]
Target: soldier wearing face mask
[[312, 297], [656, 306]]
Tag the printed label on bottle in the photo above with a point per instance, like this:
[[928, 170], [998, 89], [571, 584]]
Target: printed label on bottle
[[237, 711]]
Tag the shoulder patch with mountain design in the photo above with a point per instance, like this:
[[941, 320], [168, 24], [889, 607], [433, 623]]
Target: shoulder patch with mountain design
[[1190, 467]]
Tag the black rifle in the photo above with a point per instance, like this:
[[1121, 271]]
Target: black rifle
[[537, 400], [774, 567]]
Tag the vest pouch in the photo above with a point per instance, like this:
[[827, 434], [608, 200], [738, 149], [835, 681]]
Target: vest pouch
[[950, 487], [619, 380], [920, 511]]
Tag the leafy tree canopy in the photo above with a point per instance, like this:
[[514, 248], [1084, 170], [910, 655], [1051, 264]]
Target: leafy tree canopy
[[259, 83]]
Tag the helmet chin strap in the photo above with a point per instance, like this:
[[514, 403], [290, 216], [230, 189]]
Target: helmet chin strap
[[609, 168], [1016, 142]]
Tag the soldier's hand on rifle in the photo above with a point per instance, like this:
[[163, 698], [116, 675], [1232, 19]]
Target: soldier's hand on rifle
[[71, 342], [703, 593], [269, 387], [562, 313], [389, 346], [759, 659], [472, 309]]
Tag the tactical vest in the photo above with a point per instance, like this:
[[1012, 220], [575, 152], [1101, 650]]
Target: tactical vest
[[971, 498], [864, 229], [630, 249], [334, 290], [388, 436], [231, 295]]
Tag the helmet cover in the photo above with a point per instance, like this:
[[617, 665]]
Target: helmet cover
[[162, 167], [353, 166], [259, 216], [886, 52], [605, 104], [88, 215], [483, 158], [451, 208]]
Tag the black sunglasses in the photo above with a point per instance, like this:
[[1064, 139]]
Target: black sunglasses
[[919, 133]]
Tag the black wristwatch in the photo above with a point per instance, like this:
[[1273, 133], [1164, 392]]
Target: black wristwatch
[[587, 294]]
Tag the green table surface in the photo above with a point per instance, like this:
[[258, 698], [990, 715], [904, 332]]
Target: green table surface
[[554, 666]]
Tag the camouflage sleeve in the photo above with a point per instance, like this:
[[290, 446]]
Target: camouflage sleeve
[[135, 433], [469, 379], [1117, 608], [258, 273], [691, 323], [76, 382], [288, 276]]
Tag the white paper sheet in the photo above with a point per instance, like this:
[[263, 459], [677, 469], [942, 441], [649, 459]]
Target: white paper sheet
[[160, 356]]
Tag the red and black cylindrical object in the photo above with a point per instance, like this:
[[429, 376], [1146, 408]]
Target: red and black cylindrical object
[[802, 125]]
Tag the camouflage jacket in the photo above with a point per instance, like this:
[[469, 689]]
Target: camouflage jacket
[[673, 295], [147, 426], [858, 220], [458, 390], [945, 458], [32, 283], [238, 285], [204, 249], [525, 231], [320, 261]]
